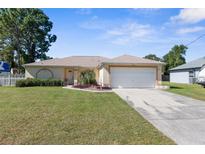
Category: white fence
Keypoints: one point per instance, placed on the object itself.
(10, 80)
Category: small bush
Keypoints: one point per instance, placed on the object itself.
(38, 82)
(87, 77)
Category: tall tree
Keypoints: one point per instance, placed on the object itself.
(175, 57)
(153, 57)
(10, 34)
(26, 33)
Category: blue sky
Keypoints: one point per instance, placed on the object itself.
(113, 32)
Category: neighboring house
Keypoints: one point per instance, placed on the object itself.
(121, 72)
(189, 72)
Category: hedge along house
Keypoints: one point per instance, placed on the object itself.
(121, 72)
(189, 72)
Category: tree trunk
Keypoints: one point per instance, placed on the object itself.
(31, 54)
(18, 61)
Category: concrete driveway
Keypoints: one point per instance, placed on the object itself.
(178, 117)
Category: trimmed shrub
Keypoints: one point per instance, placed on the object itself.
(38, 82)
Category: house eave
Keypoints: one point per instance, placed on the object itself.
(59, 66)
(184, 69)
(127, 63)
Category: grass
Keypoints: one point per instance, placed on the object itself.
(190, 90)
(53, 115)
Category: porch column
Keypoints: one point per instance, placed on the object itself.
(75, 71)
(159, 75)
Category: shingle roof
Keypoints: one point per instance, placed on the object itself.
(198, 63)
(128, 59)
(92, 61)
(82, 61)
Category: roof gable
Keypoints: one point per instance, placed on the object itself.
(128, 59)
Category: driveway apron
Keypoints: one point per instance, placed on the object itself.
(178, 117)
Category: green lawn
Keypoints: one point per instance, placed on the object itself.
(53, 115)
(194, 91)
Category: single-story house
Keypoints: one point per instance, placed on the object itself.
(121, 72)
(187, 73)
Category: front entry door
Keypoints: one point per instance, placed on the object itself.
(70, 77)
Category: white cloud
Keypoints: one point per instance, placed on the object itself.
(190, 30)
(84, 11)
(121, 41)
(121, 33)
(189, 16)
(146, 9)
(94, 23)
(129, 32)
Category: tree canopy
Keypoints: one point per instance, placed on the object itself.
(24, 35)
(153, 57)
(175, 57)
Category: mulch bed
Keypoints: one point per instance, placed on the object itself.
(91, 87)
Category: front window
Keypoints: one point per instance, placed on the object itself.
(191, 74)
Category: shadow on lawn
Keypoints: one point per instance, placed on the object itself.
(176, 87)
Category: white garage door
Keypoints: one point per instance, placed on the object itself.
(128, 77)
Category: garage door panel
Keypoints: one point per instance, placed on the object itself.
(124, 77)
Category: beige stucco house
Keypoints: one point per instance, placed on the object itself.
(121, 72)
